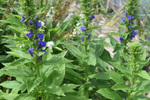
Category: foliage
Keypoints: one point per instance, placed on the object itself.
(52, 58)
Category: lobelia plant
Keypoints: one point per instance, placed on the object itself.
(128, 76)
(46, 67)
(131, 14)
(130, 80)
(36, 73)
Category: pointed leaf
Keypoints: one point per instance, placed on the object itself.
(32, 83)
(110, 94)
(144, 74)
(120, 86)
(11, 84)
(72, 97)
(54, 90)
(115, 76)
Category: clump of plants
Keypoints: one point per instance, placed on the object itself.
(47, 66)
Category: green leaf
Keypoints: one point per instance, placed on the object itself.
(72, 66)
(99, 50)
(120, 86)
(100, 75)
(101, 64)
(27, 96)
(56, 76)
(106, 56)
(19, 29)
(13, 20)
(72, 97)
(1, 30)
(69, 42)
(21, 54)
(115, 76)
(75, 51)
(10, 96)
(33, 82)
(16, 72)
(52, 89)
(113, 41)
(71, 76)
(144, 74)
(92, 60)
(72, 72)
(11, 84)
(64, 26)
(100, 42)
(118, 47)
(142, 87)
(20, 61)
(61, 39)
(2, 57)
(56, 60)
(69, 87)
(120, 68)
(110, 94)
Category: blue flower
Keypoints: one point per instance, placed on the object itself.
(41, 44)
(30, 51)
(123, 19)
(29, 34)
(121, 38)
(43, 51)
(89, 35)
(83, 21)
(21, 14)
(92, 17)
(22, 19)
(30, 21)
(126, 13)
(82, 28)
(38, 24)
(42, 55)
(133, 34)
(82, 38)
(130, 26)
(40, 36)
(130, 17)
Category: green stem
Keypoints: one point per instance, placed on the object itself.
(132, 80)
(41, 3)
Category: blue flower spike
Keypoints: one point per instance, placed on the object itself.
(22, 19)
(130, 17)
(92, 17)
(89, 35)
(123, 19)
(82, 28)
(133, 34)
(82, 38)
(30, 21)
(121, 38)
(30, 51)
(38, 24)
(130, 26)
(41, 44)
(43, 51)
(40, 58)
(21, 14)
(40, 36)
(29, 34)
